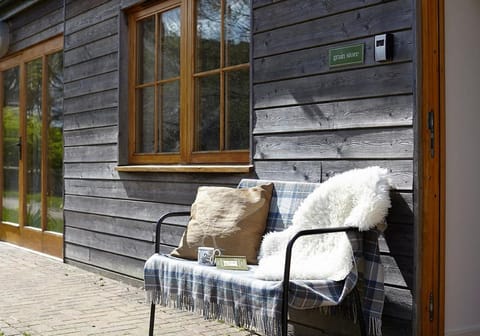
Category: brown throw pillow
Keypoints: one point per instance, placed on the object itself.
(229, 219)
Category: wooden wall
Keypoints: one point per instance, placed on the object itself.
(110, 216)
(36, 24)
(309, 122)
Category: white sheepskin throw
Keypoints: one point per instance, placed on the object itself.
(357, 198)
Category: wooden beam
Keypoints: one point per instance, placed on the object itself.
(431, 131)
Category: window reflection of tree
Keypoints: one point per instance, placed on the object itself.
(55, 124)
(11, 128)
(169, 69)
(236, 46)
(217, 51)
(34, 126)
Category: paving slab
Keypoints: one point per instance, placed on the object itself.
(42, 296)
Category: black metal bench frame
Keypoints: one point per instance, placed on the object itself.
(286, 275)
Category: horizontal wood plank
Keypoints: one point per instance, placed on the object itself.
(398, 271)
(95, 49)
(42, 36)
(92, 102)
(372, 112)
(390, 16)
(398, 303)
(259, 3)
(91, 170)
(284, 13)
(33, 13)
(382, 80)
(399, 171)
(90, 119)
(128, 209)
(91, 67)
(317, 171)
(99, 83)
(75, 252)
(92, 33)
(134, 229)
(75, 8)
(316, 60)
(95, 136)
(179, 193)
(91, 17)
(37, 25)
(115, 263)
(105, 242)
(353, 144)
(100, 153)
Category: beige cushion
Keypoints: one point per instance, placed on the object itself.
(229, 219)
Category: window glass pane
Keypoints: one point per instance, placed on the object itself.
(207, 113)
(146, 50)
(55, 143)
(169, 53)
(237, 32)
(145, 120)
(34, 142)
(237, 110)
(10, 150)
(170, 117)
(208, 35)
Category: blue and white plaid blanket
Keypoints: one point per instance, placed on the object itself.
(240, 298)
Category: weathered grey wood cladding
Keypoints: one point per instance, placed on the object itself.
(345, 26)
(379, 143)
(291, 12)
(91, 119)
(36, 24)
(315, 171)
(371, 112)
(91, 67)
(309, 122)
(381, 80)
(313, 61)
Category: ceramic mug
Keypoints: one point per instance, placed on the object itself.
(206, 255)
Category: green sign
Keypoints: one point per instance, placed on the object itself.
(348, 55)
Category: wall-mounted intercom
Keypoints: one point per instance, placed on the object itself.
(383, 47)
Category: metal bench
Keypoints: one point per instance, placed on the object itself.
(239, 298)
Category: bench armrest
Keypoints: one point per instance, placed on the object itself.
(160, 222)
(288, 259)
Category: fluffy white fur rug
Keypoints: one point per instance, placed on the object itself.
(358, 198)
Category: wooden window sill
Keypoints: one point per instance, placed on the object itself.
(184, 168)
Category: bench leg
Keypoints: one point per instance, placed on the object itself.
(360, 317)
(284, 326)
(152, 319)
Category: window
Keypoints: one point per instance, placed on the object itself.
(189, 82)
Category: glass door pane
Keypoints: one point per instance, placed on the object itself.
(10, 145)
(34, 143)
(55, 143)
